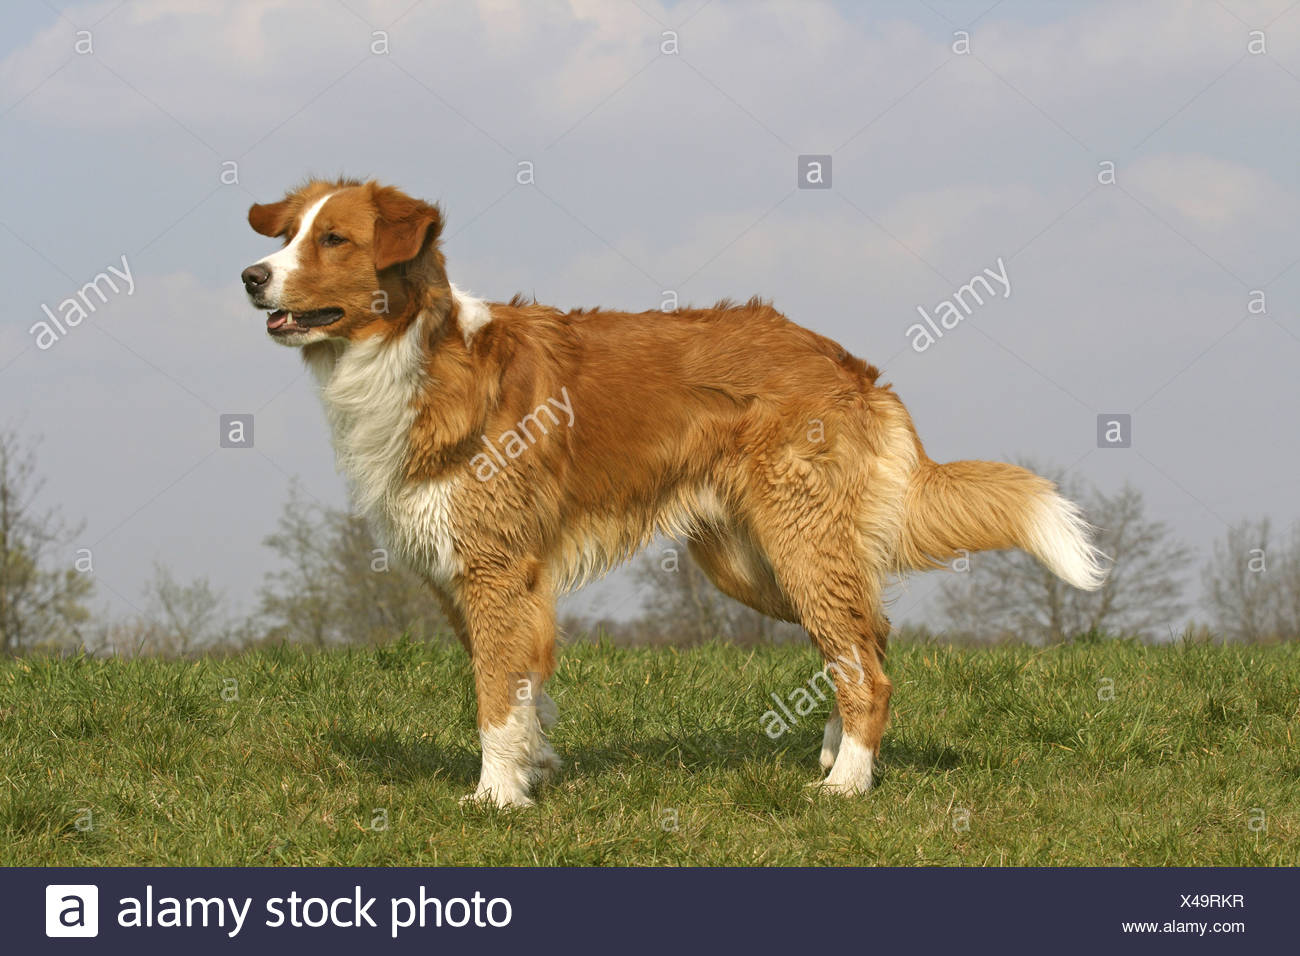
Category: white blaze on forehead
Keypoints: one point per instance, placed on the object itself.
(283, 263)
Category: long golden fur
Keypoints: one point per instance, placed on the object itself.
(538, 448)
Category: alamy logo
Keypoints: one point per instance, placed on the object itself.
(950, 312)
(71, 909)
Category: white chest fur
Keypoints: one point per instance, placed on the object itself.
(369, 389)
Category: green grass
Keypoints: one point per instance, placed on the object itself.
(665, 760)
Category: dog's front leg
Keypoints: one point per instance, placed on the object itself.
(509, 617)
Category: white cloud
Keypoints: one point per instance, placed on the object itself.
(1211, 192)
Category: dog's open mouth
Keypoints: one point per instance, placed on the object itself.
(282, 321)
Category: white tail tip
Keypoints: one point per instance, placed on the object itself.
(1059, 537)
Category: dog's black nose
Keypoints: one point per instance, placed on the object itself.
(255, 276)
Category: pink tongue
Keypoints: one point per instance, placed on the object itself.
(276, 319)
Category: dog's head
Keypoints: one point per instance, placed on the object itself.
(358, 260)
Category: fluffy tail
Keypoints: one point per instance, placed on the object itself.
(988, 505)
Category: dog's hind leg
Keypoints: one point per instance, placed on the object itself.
(851, 633)
(732, 560)
(833, 733)
(734, 564)
(812, 539)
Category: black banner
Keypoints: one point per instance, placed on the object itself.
(221, 910)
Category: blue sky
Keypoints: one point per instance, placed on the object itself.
(658, 171)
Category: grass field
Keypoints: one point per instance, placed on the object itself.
(1009, 755)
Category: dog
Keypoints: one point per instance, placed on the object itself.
(510, 451)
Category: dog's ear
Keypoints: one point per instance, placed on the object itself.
(402, 226)
(270, 219)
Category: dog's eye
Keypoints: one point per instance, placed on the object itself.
(332, 239)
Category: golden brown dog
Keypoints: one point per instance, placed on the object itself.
(510, 451)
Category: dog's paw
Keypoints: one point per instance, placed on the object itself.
(827, 759)
(853, 771)
(831, 738)
(495, 797)
(854, 789)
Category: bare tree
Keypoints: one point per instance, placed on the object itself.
(340, 585)
(1005, 594)
(1286, 568)
(42, 594)
(683, 607)
(1252, 584)
(175, 620)
(189, 617)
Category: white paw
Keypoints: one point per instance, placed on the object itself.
(853, 769)
(516, 756)
(851, 789)
(831, 737)
(827, 759)
(504, 798)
